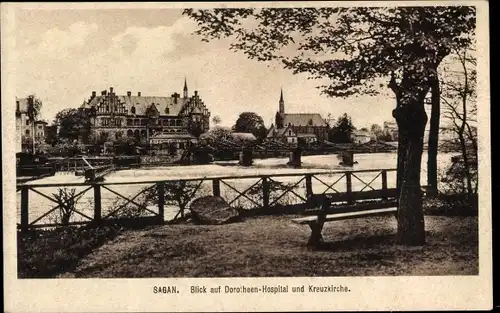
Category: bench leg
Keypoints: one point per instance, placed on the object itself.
(316, 237)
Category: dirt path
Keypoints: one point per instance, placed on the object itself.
(273, 246)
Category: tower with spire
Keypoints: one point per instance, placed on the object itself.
(281, 103)
(185, 88)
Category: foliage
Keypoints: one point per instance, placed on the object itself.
(342, 130)
(47, 253)
(376, 130)
(459, 96)
(360, 43)
(179, 193)
(455, 179)
(67, 203)
(34, 107)
(216, 120)
(250, 122)
(218, 133)
(74, 124)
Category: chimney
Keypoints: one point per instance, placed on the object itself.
(110, 90)
(129, 93)
(196, 92)
(17, 105)
(139, 94)
(103, 93)
(93, 94)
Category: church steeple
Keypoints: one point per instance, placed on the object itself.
(185, 88)
(281, 103)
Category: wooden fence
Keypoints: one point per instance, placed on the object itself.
(149, 199)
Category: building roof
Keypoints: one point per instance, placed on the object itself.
(183, 135)
(141, 104)
(303, 119)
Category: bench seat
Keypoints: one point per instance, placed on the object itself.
(345, 216)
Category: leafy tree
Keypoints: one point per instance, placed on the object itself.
(250, 122)
(355, 48)
(459, 96)
(74, 124)
(216, 120)
(217, 133)
(376, 130)
(34, 106)
(342, 130)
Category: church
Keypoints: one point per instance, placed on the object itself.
(150, 119)
(294, 128)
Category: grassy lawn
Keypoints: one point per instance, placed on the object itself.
(273, 246)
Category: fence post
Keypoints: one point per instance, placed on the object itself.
(161, 199)
(265, 192)
(97, 203)
(216, 187)
(348, 179)
(309, 190)
(24, 208)
(384, 184)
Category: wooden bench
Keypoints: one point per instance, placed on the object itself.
(383, 202)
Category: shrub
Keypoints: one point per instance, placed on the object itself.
(48, 253)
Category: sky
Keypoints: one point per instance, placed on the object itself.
(64, 55)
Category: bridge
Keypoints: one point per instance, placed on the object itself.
(246, 151)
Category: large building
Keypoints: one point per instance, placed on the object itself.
(23, 127)
(296, 127)
(174, 119)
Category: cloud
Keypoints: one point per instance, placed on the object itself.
(58, 43)
(138, 42)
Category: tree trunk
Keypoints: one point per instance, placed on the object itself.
(411, 119)
(432, 149)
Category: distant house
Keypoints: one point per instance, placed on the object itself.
(180, 140)
(360, 136)
(285, 134)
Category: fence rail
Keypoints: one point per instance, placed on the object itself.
(149, 199)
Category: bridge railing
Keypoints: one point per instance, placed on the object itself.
(50, 205)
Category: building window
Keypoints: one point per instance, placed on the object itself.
(181, 145)
(129, 122)
(27, 131)
(136, 122)
(179, 123)
(132, 110)
(130, 133)
(290, 133)
(167, 110)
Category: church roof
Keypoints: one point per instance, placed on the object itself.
(303, 119)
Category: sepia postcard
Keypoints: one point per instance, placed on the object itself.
(246, 156)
